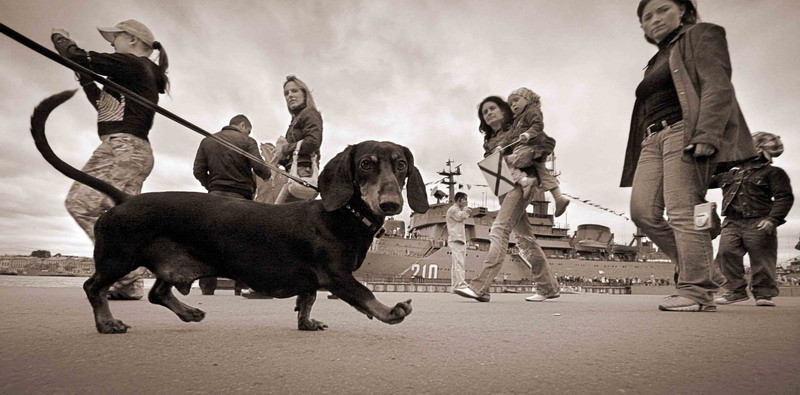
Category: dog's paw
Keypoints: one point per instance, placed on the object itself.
(112, 326)
(311, 325)
(399, 312)
(192, 315)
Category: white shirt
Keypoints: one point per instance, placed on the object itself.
(455, 223)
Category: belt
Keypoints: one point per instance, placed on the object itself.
(658, 126)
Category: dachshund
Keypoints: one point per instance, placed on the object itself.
(283, 250)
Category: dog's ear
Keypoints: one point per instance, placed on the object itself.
(415, 187)
(336, 180)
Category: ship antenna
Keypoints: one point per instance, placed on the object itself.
(449, 179)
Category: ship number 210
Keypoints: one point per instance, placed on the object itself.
(428, 271)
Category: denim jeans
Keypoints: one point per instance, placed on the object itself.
(664, 181)
(512, 216)
(547, 181)
(740, 237)
(457, 272)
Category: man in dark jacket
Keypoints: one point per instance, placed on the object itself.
(756, 199)
(225, 172)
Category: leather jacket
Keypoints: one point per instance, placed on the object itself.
(306, 125)
(701, 72)
(220, 169)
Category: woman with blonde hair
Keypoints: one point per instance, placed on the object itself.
(304, 136)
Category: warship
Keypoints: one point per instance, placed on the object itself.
(420, 253)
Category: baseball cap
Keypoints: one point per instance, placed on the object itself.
(132, 27)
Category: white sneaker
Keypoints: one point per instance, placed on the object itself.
(466, 292)
(537, 297)
(766, 302)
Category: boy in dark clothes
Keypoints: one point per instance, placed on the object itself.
(756, 199)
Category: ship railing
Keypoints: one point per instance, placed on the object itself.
(402, 279)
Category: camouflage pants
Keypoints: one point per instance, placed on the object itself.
(124, 161)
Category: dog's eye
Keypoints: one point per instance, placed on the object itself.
(365, 164)
(401, 165)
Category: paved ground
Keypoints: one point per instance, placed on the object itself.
(576, 344)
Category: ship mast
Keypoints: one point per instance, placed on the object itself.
(637, 238)
(449, 179)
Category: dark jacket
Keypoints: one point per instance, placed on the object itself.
(306, 125)
(701, 71)
(220, 169)
(115, 112)
(755, 190)
(499, 139)
(539, 145)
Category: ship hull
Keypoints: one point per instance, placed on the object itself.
(395, 258)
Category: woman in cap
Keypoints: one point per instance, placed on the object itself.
(686, 122)
(124, 157)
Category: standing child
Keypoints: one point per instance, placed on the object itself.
(528, 158)
(124, 158)
(756, 197)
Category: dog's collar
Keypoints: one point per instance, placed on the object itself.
(370, 224)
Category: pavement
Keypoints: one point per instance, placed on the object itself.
(579, 343)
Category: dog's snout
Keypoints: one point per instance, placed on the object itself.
(390, 207)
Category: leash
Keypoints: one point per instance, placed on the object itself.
(512, 144)
(36, 47)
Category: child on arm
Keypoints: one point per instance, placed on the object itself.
(527, 161)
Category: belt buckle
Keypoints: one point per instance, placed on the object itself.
(663, 125)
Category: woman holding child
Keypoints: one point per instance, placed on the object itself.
(496, 121)
(686, 122)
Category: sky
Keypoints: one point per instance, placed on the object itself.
(411, 72)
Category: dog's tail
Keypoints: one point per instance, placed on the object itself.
(38, 119)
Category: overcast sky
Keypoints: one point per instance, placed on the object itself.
(411, 72)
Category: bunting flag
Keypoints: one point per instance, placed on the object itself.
(498, 177)
(497, 174)
(593, 204)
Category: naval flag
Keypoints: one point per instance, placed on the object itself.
(497, 174)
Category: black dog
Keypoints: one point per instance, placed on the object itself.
(281, 250)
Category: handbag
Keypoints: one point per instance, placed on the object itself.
(294, 188)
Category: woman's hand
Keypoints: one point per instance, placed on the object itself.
(700, 149)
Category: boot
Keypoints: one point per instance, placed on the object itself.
(561, 205)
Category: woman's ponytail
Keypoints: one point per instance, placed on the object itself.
(163, 64)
